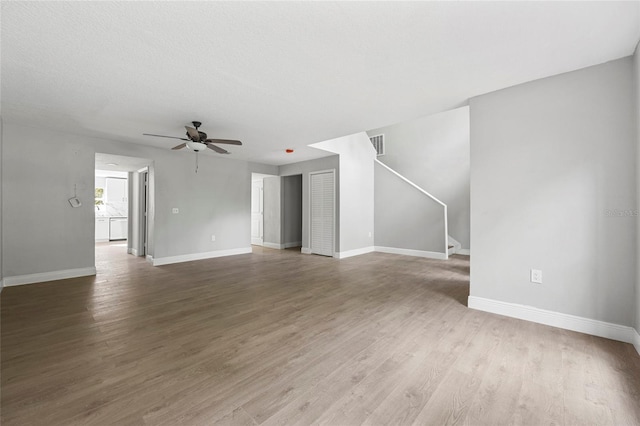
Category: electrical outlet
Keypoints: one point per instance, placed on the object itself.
(536, 276)
(213, 238)
(175, 210)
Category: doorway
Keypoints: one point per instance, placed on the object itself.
(123, 203)
(276, 211)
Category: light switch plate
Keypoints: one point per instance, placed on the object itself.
(536, 276)
(175, 210)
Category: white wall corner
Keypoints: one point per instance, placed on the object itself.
(158, 261)
(410, 252)
(355, 252)
(305, 250)
(557, 319)
(636, 340)
(149, 258)
(48, 276)
(133, 252)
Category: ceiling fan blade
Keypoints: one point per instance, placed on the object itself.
(182, 145)
(193, 133)
(163, 136)
(217, 149)
(227, 141)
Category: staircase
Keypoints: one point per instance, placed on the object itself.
(416, 223)
(453, 245)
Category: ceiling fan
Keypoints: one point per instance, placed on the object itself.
(197, 140)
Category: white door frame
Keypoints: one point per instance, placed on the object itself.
(143, 203)
(333, 228)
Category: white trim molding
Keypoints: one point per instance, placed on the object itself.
(555, 319)
(464, 252)
(48, 276)
(305, 250)
(149, 258)
(158, 261)
(410, 252)
(355, 252)
(283, 246)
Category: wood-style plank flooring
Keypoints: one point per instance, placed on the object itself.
(276, 337)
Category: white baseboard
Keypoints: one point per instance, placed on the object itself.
(410, 252)
(273, 245)
(256, 241)
(555, 319)
(636, 340)
(134, 252)
(158, 261)
(48, 276)
(282, 246)
(355, 252)
(305, 250)
(464, 252)
(149, 258)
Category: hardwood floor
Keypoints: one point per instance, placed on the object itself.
(276, 337)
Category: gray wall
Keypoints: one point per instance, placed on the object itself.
(405, 217)
(37, 185)
(636, 76)
(304, 168)
(433, 152)
(41, 231)
(551, 162)
(272, 210)
(1, 208)
(292, 209)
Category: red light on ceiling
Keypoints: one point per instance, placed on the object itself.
(288, 150)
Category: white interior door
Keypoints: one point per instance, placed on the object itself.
(257, 212)
(322, 212)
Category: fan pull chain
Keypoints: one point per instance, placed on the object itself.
(196, 161)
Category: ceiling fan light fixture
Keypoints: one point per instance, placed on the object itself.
(196, 146)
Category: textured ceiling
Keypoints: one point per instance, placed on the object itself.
(281, 75)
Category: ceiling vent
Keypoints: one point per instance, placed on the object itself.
(378, 144)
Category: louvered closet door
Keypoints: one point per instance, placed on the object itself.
(322, 201)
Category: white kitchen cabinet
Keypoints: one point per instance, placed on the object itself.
(102, 229)
(117, 190)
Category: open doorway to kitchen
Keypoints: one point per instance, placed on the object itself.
(123, 201)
